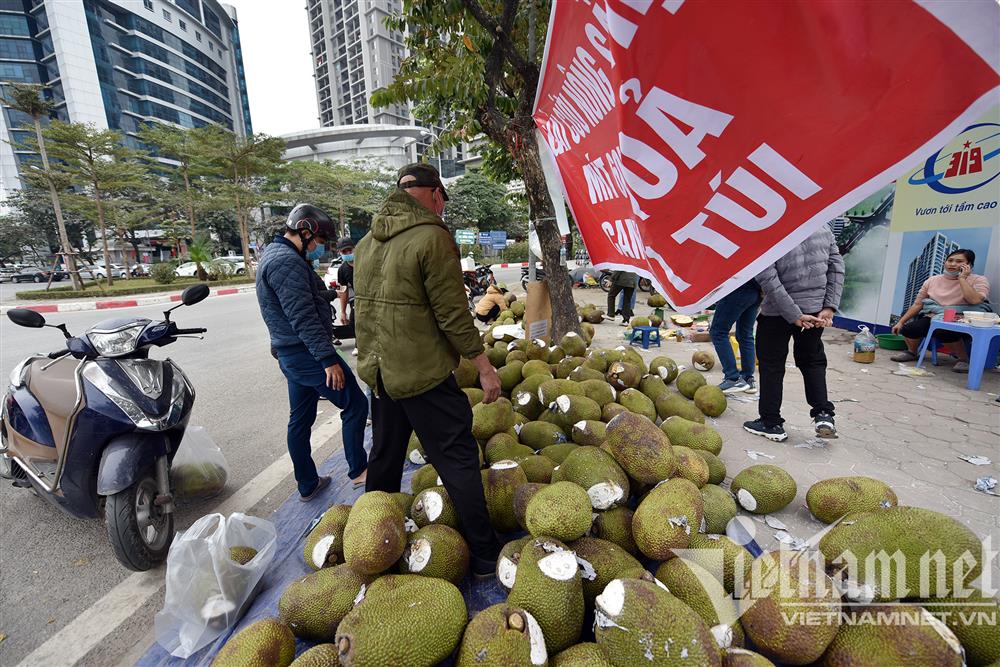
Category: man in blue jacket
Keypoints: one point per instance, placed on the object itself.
(300, 322)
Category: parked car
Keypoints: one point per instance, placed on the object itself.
(7, 273)
(239, 266)
(186, 270)
(34, 274)
(117, 271)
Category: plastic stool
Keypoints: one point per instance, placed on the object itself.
(645, 336)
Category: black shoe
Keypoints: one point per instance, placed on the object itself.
(337, 341)
(825, 427)
(321, 484)
(483, 568)
(757, 427)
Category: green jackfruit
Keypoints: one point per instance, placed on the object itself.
(675, 405)
(556, 354)
(569, 410)
(510, 556)
(741, 657)
(415, 453)
(537, 468)
(428, 616)
(532, 383)
(709, 550)
(374, 537)
(560, 510)
(639, 321)
(403, 500)
(716, 468)
(325, 542)
(763, 489)
(424, 478)
(610, 411)
(596, 361)
(690, 466)
(701, 590)
(536, 366)
(548, 586)
(504, 447)
(720, 508)
(622, 375)
(510, 375)
(497, 354)
(433, 505)
(640, 448)
(831, 499)
(973, 620)
(266, 643)
(665, 367)
(919, 640)
(242, 555)
(488, 419)
(656, 300)
(587, 654)
(502, 635)
(589, 432)
(688, 382)
(687, 433)
(653, 386)
(518, 344)
(582, 374)
(322, 655)
(198, 480)
(538, 435)
(607, 561)
(552, 389)
(537, 349)
(667, 517)
(499, 482)
(587, 331)
(598, 391)
(526, 403)
(574, 344)
(467, 375)
(703, 361)
(438, 551)
(522, 496)
(515, 355)
(615, 525)
(557, 453)
(710, 400)
(567, 365)
(314, 605)
(915, 533)
(638, 623)
(517, 308)
(635, 401)
(597, 473)
(631, 356)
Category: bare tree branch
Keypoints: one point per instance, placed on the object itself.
(501, 33)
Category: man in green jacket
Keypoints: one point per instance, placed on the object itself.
(413, 324)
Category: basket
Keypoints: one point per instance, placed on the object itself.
(891, 341)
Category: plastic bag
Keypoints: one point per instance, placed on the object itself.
(208, 591)
(199, 468)
(864, 346)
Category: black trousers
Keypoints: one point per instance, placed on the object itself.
(442, 419)
(773, 334)
(492, 315)
(918, 327)
(612, 301)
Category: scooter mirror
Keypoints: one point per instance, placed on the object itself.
(194, 294)
(26, 318)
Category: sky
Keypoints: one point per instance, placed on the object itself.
(278, 64)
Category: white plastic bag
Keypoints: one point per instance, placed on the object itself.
(207, 591)
(199, 469)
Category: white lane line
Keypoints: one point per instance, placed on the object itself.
(87, 630)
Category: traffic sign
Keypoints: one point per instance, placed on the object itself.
(465, 236)
(485, 238)
(499, 237)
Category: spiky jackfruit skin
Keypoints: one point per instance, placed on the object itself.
(675, 405)
(610, 411)
(532, 383)
(640, 448)
(325, 542)
(872, 644)
(622, 375)
(635, 401)
(497, 354)
(710, 400)
(374, 537)
(522, 496)
(203, 479)
(667, 517)
(639, 321)
(639, 623)
(436, 551)
(587, 654)
(589, 432)
(631, 356)
(403, 500)
(703, 361)
(537, 468)
(598, 391)
(499, 483)
(653, 386)
(499, 636)
(596, 472)
(701, 590)
(557, 453)
(573, 344)
(665, 367)
(504, 447)
(424, 478)
(534, 367)
(427, 616)
(434, 506)
(537, 349)
(242, 555)
(609, 561)
(488, 419)
(688, 381)
(690, 466)
(830, 499)
(597, 361)
(973, 619)
(510, 375)
(567, 365)
(510, 556)
(415, 453)
(550, 390)
(556, 354)
(763, 488)
(516, 355)
(526, 403)
(560, 510)
(569, 410)
(539, 435)
(781, 584)
(615, 525)
(716, 467)
(466, 375)
(706, 550)
(474, 394)
(323, 655)
(914, 532)
(314, 605)
(266, 643)
(548, 586)
(583, 373)
(720, 508)
(741, 657)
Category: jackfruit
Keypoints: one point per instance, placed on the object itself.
(920, 639)
(556, 354)
(741, 657)
(517, 309)
(589, 432)
(537, 349)
(504, 447)
(522, 496)
(510, 375)
(597, 361)
(596, 472)
(515, 355)
(831, 499)
(566, 366)
(499, 482)
(403, 500)
(690, 466)
(519, 344)
(598, 391)
(675, 405)
(488, 419)
(510, 556)
(325, 542)
(973, 619)
(587, 654)
(915, 533)
(653, 386)
(568, 410)
(639, 321)
(635, 401)
(622, 375)
(606, 561)
(582, 374)
(502, 635)
(474, 394)
(314, 605)
(667, 517)
(611, 410)
(703, 361)
(558, 453)
(374, 537)
(688, 382)
(266, 643)
(438, 551)
(638, 623)
(466, 375)
(687, 433)
(594, 316)
(701, 590)
(427, 616)
(574, 344)
(656, 300)
(537, 468)
(716, 468)
(415, 451)
(763, 489)
(322, 655)
(710, 400)
(532, 383)
(665, 367)
(552, 389)
(709, 550)
(539, 435)
(587, 331)
(615, 525)
(560, 510)
(433, 505)
(497, 354)
(198, 480)
(424, 478)
(526, 403)
(631, 356)
(640, 448)
(548, 586)
(720, 508)
(534, 367)
(242, 555)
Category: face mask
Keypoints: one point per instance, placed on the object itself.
(952, 274)
(315, 253)
(348, 258)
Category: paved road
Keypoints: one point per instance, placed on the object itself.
(9, 289)
(53, 567)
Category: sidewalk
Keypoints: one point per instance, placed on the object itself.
(77, 305)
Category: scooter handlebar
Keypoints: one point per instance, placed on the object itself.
(183, 332)
(56, 355)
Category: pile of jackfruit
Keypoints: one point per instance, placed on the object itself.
(605, 465)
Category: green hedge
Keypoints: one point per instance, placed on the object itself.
(124, 288)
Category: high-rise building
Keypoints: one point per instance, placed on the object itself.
(120, 64)
(930, 262)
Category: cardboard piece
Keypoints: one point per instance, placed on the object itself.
(538, 312)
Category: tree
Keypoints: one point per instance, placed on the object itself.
(345, 188)
(476, 201)
(29, 99)
(32, 213)
(479, 67)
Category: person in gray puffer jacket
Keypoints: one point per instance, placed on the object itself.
(802, 292)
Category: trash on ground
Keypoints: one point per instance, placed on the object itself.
(986, 485)
(755, 455)
(912, 372)
(812, 443)
(777, 524)
(976, 460)
(796, 543)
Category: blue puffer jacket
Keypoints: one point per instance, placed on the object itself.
(288, 291)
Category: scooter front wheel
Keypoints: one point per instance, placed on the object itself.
(140, 532)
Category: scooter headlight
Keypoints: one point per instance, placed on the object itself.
(116, 343)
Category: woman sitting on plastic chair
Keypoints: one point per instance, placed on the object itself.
(956, 288)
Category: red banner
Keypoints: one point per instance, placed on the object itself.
(697, 142)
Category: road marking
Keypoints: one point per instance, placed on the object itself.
(86, 631)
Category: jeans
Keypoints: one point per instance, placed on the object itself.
(306, 384)
(621, 300)
(739, 308)
(773, 334)
(628, 296)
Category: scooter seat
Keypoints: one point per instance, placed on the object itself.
(55, 390)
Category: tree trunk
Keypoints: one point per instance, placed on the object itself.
(199, 269)
(57, 208)
(241, 221)
(104, 236)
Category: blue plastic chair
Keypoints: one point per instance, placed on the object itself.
(645, 336)
(983, 349)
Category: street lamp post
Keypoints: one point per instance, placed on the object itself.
(433, 135)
